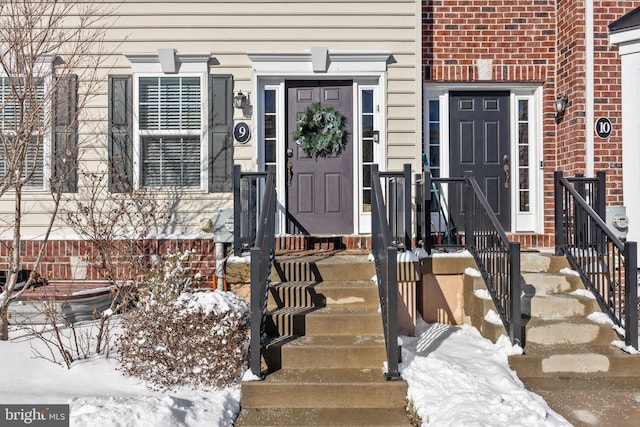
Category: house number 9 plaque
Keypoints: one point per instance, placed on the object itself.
(241, 132)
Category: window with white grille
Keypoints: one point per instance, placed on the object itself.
(170, 121)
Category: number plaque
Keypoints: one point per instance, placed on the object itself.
(241, 132)
(603, 127)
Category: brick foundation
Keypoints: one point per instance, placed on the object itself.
(78, 259)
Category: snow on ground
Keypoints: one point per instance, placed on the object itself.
(455, 378)
(99, 395)
(458, 378)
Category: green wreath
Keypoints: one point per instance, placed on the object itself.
(320, 131)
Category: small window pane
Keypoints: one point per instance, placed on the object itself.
(367, 150)
(170, 103)
(270, 151)
(523, 135)
(171, 162)
(524, 179)
(434, 111)
(270, 126)
(524, 201)
(434, 157)
(523, 110)
(270, 101)
(366, 200)
(434, 133)
(367, 126)
(524, 156)
(366, 175)
(367, 101)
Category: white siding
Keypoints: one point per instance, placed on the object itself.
(230, 29)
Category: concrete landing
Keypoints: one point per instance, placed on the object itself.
(587, 402)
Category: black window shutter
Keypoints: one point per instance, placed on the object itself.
(220, 130)
(120, 133)
(64, 176)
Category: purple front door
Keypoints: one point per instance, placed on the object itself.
(319, 191)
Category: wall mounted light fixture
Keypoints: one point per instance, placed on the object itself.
(560, 105)
(240, 100)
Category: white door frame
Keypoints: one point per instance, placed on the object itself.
(521, 222)
(272, 69)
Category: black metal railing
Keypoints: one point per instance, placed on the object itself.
(397, 188)
(248, 190)
(498, 260)
(453, 213)
(385, 255)
(436, 224)
(262, 254)
(607, 266)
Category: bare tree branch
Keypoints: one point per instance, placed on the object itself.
(42, 45)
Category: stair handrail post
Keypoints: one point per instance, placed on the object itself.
(515, 285)
(406, 169)
(631, 293)
(419, 210)
(237, 210)
(392, 314)
(375, 227)
(468, 207)
(255, 344)
(427, 211)
(559, 214)
(601, 194)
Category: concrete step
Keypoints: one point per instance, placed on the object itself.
(547, 306)
(327, 352)
(328, 293)
(553, 283)
(577, 330)
(542, 262)
(267, 417)
(591, 401)
(575, 361)
(324, 388)
(301, 321)
(322, 268)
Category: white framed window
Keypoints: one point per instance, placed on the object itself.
(170, 131)
(10, 113)
(369, 142)
(271, 126)
(526, 162)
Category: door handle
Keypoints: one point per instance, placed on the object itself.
(289, 173)
(507, 175)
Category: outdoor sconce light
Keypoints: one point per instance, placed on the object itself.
(240, 100)
(560, 105)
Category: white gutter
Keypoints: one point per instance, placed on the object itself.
(589, 90)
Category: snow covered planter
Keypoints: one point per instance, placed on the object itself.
(180, 337)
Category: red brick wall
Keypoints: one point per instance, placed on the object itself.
(57, 262)
(570, 77)
(518, 35)
(537, 41)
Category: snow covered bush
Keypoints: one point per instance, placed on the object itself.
(178, 336)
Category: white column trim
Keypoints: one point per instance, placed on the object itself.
(589, 91)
